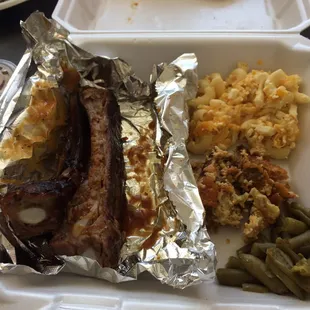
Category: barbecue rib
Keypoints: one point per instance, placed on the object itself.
(93, 224)
(37, 207)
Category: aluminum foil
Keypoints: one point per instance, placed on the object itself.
(172, 243)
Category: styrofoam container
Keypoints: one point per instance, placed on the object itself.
(141, 16)
(265, 34)
(9, 3)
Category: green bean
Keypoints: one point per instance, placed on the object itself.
(299, 241)
(303, 282)
(285, 235)
(297, 206)
(234, 277)
(265, 235)
(259, 249)
(258, 269)
(293, 226)
(302, 267)
(288, 282)
(275, 233)
(304, 250)
(246, 249)
(255, 288)
(234, 263)
(280, 257)
(301, 216)
(280, 220)
(283, 245)
(283, 263)
(300, 212)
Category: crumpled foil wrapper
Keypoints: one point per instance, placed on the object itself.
(172, 243)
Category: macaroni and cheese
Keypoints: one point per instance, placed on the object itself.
(257, 107)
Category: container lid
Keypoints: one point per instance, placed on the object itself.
(140, 16)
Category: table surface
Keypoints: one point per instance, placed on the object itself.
(12, 45)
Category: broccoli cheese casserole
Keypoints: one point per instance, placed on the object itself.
(257, 107)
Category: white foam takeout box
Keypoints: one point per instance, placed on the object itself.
(263, 33)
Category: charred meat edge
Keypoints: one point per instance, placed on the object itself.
(52, 196)
(93, 223)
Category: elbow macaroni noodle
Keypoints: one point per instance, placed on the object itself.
(258, 107)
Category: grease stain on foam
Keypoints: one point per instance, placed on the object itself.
(134, 6)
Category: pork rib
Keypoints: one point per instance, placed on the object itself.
(38, 207)
(93, 224)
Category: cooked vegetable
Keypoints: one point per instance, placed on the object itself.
(284, 246)
(280, 257)
(285, 235)
(259, 270)
(297, 206)
(299, 241)
(293, 226)
(300, 212)
(273, 261)
(285, 265)
(265, 235)
(305, 251)
(259, 249)
(234, 263)
(275, 233)
(246, 249)
(303, 282)
(255, 288)
(302, 267)
(234, 277)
